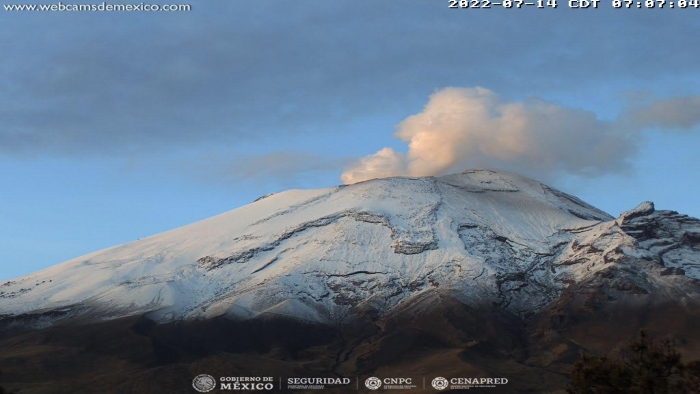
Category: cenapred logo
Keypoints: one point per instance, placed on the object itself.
(373, 383)
(204, 383)
(440, 383)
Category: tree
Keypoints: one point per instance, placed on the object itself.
(2, 390)
(644, 367)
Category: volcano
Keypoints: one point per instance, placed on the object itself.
(482, 274)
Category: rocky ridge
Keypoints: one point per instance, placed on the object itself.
(329, 255)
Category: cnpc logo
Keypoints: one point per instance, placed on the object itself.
(374, 383)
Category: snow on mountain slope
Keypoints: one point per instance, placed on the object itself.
(319, 255)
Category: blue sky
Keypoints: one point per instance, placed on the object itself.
(116, 126)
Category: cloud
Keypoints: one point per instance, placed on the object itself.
(275, 170)
(465, 128)
(276, 165)
(229, 72)
(672, 113)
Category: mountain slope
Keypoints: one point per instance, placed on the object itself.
(312, 253)
(480, 274)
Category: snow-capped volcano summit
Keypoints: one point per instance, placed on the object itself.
(322, 255)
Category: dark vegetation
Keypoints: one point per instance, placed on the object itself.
(646, 366)
(435, 335)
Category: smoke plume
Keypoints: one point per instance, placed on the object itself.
(465, 128)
